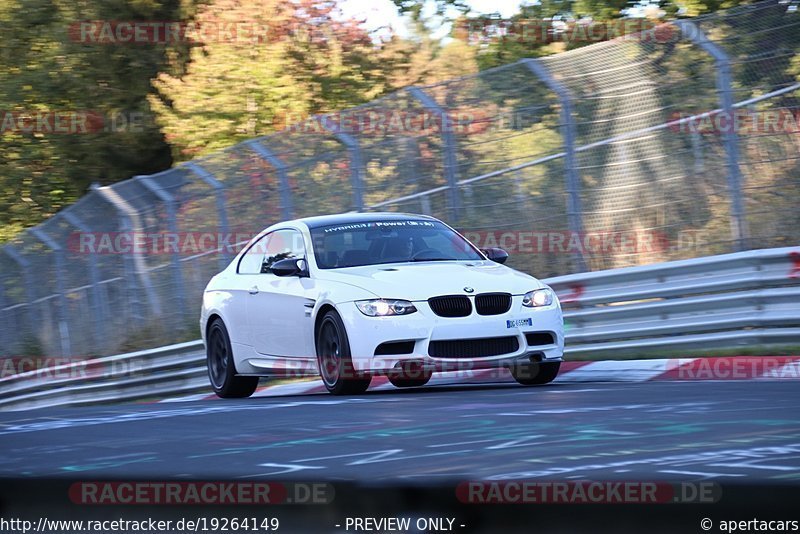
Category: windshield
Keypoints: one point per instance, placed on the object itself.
(377, 242)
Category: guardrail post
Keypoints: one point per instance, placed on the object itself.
(129, 221)
(222, 213)
(100, 305)
(449, 146)
(356, 162)
(58, 253)
(30, 292)
(287, 210)
(730, 138)
(572, 177)
(172, 225)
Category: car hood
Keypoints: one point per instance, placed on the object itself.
(420, 281)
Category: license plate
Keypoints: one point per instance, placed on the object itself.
(519, 322)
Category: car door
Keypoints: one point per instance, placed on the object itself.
(247, 271)
(279, 307)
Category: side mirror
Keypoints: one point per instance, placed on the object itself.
(496, 254)
(290, 267)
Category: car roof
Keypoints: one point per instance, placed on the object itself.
(347, 218)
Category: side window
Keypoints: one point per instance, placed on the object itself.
(282, 244)
(252, 259)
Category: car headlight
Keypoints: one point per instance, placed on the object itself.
(383, 307)
(537, 298)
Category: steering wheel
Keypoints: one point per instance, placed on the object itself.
(423, 251)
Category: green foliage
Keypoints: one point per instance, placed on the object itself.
(46, 69)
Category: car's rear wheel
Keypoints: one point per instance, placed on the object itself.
(335, 362)
(531, 374)
(221, 369)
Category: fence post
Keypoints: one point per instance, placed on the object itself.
(449, 146)
(222, 213)
(730, 138)
(58, 253)
(356, 163)
(172, 226)
(572, 176)
(5, 341)
(30, 292)
(129, 221)
(287, 210)
(100, 306)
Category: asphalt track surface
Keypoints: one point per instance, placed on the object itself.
(735, 431)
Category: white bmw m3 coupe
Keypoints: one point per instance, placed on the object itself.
(352, 296)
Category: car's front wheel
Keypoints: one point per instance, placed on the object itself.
(221, 369)
(531, 374)
(409, 377)
(335, 362)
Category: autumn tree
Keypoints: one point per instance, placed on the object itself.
(304, 61)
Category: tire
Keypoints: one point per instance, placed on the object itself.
(535, 373)
(221, 369)
(409, 378)
(335, 362)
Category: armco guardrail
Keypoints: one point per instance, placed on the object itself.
(124, 377)
(733, 300)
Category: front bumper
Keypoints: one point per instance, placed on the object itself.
(367, 333)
